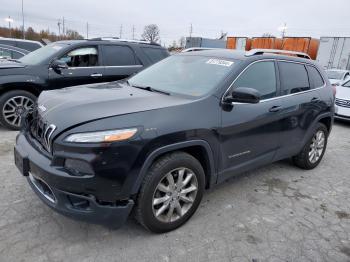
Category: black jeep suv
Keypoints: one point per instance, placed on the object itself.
(69, 63)
(154, 142)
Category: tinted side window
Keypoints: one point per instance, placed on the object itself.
(315, 77)
(294, 78)
(16, 55)
(260, 76)
(5, 53)
(81, 57)
(154, 54)
(118, 56)
(28, 45)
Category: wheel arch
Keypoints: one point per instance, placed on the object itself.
(29, 87)
(199, 149)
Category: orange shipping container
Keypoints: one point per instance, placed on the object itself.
(266, 43)
(302, 44)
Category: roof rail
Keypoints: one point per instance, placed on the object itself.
(193, 49)
(277, 51)
(123, 40)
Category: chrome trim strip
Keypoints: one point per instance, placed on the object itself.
(273, 98)
(85, 67)
(47, 136)
(33, 181)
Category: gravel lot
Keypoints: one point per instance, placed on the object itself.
(277, 213)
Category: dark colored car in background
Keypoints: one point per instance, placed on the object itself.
(28, 45)
(69, 63)
(11, 52)
(154, 142)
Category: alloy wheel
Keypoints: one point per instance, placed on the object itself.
(15, 108)
(174, 195)
(317, 146)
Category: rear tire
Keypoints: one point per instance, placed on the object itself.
(163, 204)
(13, 105)
(312, 153)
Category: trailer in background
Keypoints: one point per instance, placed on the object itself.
(238, 43)
(266, 43)
(334, 52)
(306, 45)
(205, 42)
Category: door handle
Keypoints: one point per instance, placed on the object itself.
(275, 109)
(96, 75)
(315, 99)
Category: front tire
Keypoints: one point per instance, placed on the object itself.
(13, 105)
(171, 192)
(312, 153)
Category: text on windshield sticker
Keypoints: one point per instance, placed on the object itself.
(220, 62)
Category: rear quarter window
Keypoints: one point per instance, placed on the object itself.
(154, 54)
(294, 78)
(315, 77)
(114, 55)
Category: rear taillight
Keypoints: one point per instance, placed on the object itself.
(334, 89)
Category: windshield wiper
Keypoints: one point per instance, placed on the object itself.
(151, 89)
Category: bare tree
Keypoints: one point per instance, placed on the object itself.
(151, 33)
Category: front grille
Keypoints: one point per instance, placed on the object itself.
(342, 102)
(39, 129)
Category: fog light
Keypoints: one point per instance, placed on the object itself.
(78, 167)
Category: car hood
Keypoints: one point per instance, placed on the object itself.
(71, 106)
(343, 92)
(334, 81)
(10, 64)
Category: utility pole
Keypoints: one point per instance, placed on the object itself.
(121, 31)
(63, 27)
(191, 31)
(59, 28)
(133, 32)
(9, 20)
(24, 35)
(87, 30)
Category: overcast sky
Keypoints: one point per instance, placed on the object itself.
(236, 17)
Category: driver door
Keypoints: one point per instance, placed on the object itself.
(84, 67)
(249, 133)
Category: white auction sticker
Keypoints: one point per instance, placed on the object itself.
(220, 62)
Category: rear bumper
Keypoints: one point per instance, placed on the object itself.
(44, 178)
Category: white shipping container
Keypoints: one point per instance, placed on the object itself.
(334, 52)
(241, 43)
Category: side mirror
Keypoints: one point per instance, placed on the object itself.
(59, 65)
(243, 95)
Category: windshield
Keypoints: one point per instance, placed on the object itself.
(187, 75)
(41, 54)
(334, 75)
(346, 84)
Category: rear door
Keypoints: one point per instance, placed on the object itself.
(84, 67)
(119, 61)
(249, 134)
(300, 101)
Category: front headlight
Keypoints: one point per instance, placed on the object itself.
(102, 136)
